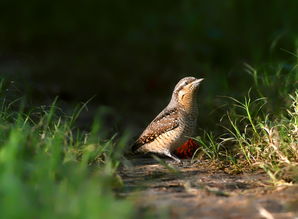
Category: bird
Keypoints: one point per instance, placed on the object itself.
(174, 124)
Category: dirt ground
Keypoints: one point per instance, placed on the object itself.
(199, 191)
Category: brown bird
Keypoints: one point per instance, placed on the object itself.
(173, 125)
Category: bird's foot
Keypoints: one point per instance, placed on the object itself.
(176, 159)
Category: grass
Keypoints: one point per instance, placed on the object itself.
(49, 169)
(258, 132)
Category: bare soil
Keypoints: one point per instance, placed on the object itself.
(201, 191)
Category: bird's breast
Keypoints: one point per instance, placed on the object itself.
(187, 125)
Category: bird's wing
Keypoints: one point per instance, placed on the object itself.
(167, 120)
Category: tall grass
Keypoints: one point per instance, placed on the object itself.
(48, 169)
(261, 132)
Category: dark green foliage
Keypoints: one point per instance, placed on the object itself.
(119, 48)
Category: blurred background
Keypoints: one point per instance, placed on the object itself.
(128, 55)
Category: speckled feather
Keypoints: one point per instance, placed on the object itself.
(166, 121)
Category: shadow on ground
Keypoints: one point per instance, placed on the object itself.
(197, 190)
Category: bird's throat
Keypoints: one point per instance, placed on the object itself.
(189, 103)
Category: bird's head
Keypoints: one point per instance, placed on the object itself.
(185, 91)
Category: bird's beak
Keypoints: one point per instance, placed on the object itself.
(197, 81)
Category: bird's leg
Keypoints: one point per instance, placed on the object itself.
(176, 159)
